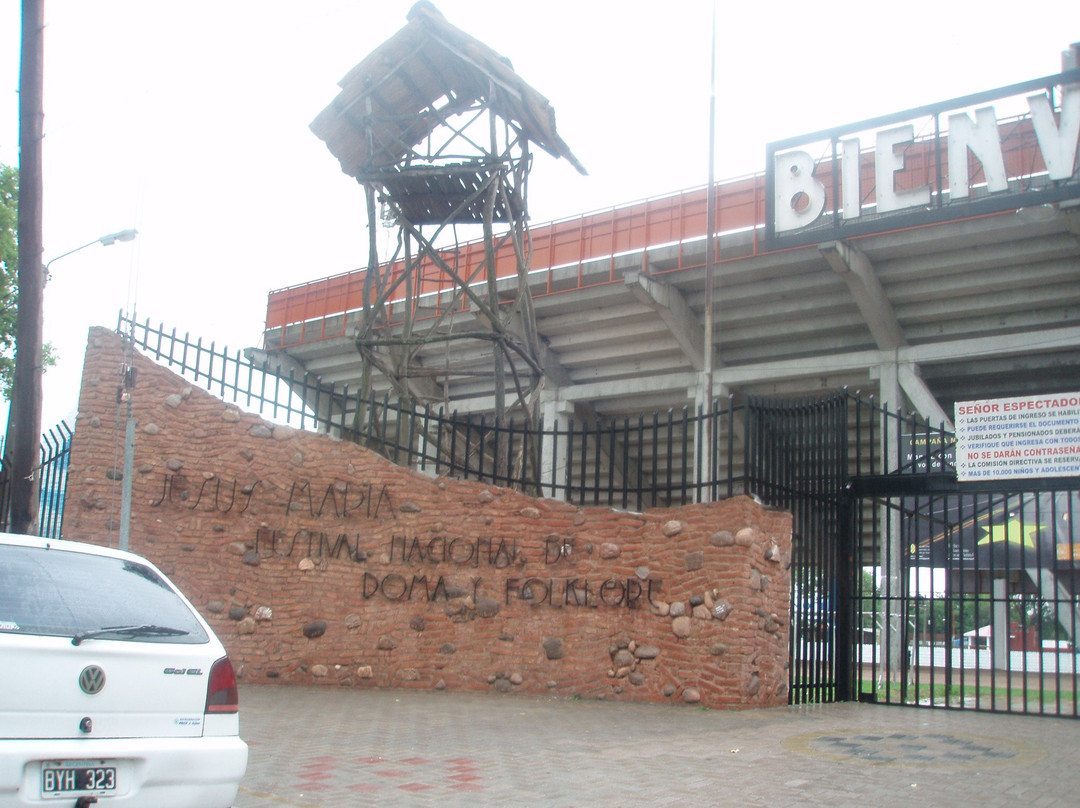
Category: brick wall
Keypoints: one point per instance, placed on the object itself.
(317, 561)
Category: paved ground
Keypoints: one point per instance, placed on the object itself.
(329, 748)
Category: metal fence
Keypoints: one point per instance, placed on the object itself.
(964, 595)
(55, 455)
(670, 458)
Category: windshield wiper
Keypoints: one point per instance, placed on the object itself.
(129, 631)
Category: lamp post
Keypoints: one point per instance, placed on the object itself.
(24, 414)
(104, 241)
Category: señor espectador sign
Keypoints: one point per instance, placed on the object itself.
(993, 151)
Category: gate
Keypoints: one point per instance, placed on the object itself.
(909, 587)
(797, 460)
(963, 595)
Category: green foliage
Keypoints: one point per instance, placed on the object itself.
(9, 272)
(9, 279)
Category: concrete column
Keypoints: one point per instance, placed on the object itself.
(554, 460)
(703, 438)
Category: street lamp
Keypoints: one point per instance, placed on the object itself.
(24, 414)
(104, 241)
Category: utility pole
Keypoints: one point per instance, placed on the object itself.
(26, 397)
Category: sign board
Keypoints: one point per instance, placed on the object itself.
(984, 153)
(1017, 438)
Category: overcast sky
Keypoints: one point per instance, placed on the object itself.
(188, 119)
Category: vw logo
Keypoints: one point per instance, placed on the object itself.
(92, 679)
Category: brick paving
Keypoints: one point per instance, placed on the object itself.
(329, 747)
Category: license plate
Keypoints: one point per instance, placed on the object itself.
(77, 777)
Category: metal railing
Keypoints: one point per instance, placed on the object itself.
(631, 463)
(55, 456)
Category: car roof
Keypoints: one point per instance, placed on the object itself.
(22, 540)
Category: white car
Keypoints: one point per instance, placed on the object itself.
(113, 689)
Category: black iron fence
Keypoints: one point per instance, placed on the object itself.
(670, 458)
(963, 595)
(55, 455)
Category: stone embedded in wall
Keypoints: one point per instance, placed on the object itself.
(174, 465)
(722, 538)
(251, 558)
(623, 658)
(718, 649)
(410, 507)
(353, 621)
(672, 527)
(320, 671)
(246, 626)
(530, 512)
(677, 609)
(261, 431)
(365, 672)
(264, 613)
(215, 607)
(237, 613)
(151, 429)
(386, 644)
(487, 607)
(681, 626)
(416, 623)
(772, 553)
(174, 400)
(306, 565)
(315, 629)
(695, 560)
(554, 648)
(609, 550)
(691, 695)
(721, 610)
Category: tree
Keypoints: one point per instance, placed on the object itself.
(9, 278)
(9, 273)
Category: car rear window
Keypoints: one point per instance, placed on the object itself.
(59, 593)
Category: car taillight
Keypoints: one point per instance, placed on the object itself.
(221, 694)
